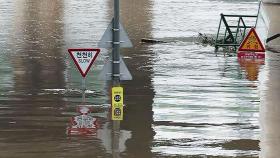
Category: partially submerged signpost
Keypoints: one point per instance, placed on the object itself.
(115, 37)
(115, 69)
(83, 124)
(83, 59)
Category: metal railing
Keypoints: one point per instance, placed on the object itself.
(233, 33)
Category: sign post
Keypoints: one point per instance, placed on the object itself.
(115, 37)
(84, 89)
(116, 73)
(83, 59)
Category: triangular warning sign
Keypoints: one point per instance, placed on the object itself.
(252, 42)
(106, 40)
(83, 58)
(106, 73)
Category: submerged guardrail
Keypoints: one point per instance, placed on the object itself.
(232, 30)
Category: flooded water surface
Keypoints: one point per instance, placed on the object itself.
(184, 100)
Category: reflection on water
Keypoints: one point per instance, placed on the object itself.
(136, 17)
(36, 62)
(251, 68)
(203, 105)
(183, 101)
(44, 86)
(36, 58)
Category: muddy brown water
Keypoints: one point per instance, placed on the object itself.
(183, 101)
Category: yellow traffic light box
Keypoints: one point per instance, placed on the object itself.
(117, 103)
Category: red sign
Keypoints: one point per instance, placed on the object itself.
(252, 42)
(83, 58)
(83, 125)
(251, 55)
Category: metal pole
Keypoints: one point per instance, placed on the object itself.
(116, 74)
(83, 90)
(237, 30)
(116, 44)
(116, 139)
(260, 2)
(217, 37)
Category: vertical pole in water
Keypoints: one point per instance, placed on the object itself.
(116, 45)
(84, 90)
(260, 2)
(217, 37)
(116, 74)
(83, 96)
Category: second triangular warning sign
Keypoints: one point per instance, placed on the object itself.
(252, 42)
(83, 58)
(106, 40)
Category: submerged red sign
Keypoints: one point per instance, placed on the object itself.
(251, 55)
(83, 58)
(83, 124)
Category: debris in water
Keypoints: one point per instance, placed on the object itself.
(147, 40)
(205, 39)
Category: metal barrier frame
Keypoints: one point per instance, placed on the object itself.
(230, 36)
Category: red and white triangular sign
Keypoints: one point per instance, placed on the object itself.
(83, 58)
(252, 42)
